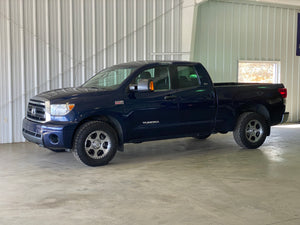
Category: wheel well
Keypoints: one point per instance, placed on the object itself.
(258, 108)
(114, 123)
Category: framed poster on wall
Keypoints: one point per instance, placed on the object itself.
(298, 36)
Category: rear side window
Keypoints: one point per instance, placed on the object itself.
(187, 77)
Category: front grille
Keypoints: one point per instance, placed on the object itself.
(36, 110)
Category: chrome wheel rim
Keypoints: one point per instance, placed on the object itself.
(97, 144)
(254, 131)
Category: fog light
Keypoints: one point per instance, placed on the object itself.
(53, 139)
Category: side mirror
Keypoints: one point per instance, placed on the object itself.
(143, 85)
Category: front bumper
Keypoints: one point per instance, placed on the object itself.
(49, 135)
(285, 117)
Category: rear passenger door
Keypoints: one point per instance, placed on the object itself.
(196, 98)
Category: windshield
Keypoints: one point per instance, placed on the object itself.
(110, 78)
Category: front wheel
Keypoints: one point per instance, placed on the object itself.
(95, 143)
(251, 130)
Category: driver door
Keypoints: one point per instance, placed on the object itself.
(152, 114)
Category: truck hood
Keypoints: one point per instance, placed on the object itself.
(69, 94)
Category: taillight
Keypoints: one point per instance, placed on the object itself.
(283, 92)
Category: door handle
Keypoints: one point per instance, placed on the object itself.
(170, 97)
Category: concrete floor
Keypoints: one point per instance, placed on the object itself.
(179, 181)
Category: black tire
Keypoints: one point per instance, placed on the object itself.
(95, 143)
(201, 137)
(251, 130)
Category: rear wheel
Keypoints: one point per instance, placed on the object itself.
(95, 143)
(251, 130)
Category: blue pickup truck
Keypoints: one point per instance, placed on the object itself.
(150, 100)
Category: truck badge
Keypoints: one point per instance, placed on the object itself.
(33, 111)
(150, 122)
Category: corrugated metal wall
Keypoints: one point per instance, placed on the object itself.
(230, 31)
(48, 44)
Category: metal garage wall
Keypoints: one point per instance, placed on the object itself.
(48, 44)
(228, 31)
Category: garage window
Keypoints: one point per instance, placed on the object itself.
(259, 71)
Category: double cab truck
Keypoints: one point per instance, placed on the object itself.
(150, 100)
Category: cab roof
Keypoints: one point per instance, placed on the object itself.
(155, 62)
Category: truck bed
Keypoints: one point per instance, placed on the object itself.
(246, 96)
(241, 84)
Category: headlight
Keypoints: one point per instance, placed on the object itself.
(61, 109)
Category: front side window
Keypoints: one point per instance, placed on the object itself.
(187, 77)
(110, 78)
(160, 76)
